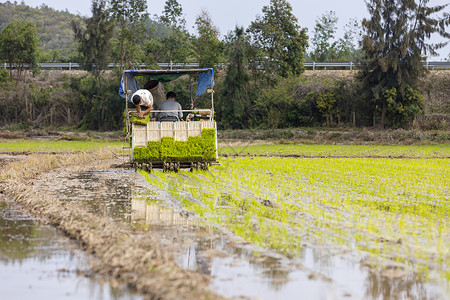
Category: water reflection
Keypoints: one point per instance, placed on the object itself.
(104, 193)
(396, 283)
(203, 248)
(38, 262)
(236, 269)
(270, 268)
(153, 213)
(17, 235)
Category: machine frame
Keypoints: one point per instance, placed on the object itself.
(139, 135)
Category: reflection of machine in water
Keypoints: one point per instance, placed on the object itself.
(152, 213)
(200, 248)
(193, 239)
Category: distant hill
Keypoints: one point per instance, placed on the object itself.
(53, 26)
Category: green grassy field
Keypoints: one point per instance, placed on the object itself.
(416, 151)
(392, 209)
(21, 145)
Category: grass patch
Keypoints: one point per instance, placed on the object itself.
(53, 145)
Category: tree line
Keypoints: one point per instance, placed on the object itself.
(262, 86)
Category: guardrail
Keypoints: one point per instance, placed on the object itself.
(170, 65)
(350, 65)
(324, 65)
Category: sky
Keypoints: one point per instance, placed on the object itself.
(226, 14)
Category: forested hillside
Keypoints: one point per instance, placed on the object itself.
(53, 27)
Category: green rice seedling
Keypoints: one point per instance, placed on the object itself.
(416, 151)
(140, 121)
(396, 209)
(196, 148)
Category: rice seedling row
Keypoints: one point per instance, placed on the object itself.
(416, 151)
(391, 209)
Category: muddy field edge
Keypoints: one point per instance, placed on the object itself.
(136, 261)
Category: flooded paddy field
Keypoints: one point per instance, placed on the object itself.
(234, 267)
(378, 227)
(276, 227)
(39, 262)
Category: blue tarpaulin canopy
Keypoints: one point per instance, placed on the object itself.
(128, 82)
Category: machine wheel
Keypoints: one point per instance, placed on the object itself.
(148, 167)
(199, 165)
(169, 167)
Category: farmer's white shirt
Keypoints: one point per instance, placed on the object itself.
(146, 97)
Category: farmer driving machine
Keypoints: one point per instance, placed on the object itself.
(171, 145)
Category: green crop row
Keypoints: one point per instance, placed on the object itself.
(392, 209)
(417, 151)
(196, 148)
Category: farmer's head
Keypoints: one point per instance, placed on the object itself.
(136, 99)
(171, 95)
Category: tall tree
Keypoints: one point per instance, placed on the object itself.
(324, 48)
(235, 103)
(207, 44)
(327, 47)
(129, 16)
(94, 39)
(94, 43)
(280, 38)
(173, 15)
(349, 45)
(176, 45)
(19, 45)
(396, 40)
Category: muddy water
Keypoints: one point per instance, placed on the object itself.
(236, 269)
(38, 262)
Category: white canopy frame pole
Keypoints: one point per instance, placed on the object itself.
(191, 104)
(126, 109)
(212, 97)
